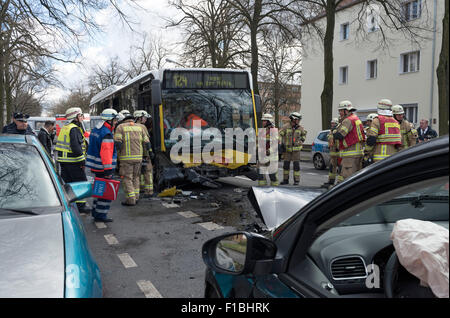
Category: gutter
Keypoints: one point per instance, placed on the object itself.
(433, 53)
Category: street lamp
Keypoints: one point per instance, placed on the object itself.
(175, 62)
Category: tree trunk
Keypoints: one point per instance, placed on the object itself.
(326, 97)
(442, 76)
(2, 90)
(254, 44)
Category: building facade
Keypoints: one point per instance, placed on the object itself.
(365, 70)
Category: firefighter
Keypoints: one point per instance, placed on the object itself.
(146, 178)
(292, 138)
(71, 147)
(102, 159)
(271, 145)
(384, 137)
(334, 155)
(369, 120)
(409, 133)
(132, 145)
(350, 138)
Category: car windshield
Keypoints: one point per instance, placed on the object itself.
(24, 179)
(426, 204)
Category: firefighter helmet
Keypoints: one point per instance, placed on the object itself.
(371, 116)
(141, 113)
(335, 120)
(125, 112)
(397, 110)
(108, 114)
(346, 105)
(385, 104)
(73, 112)
(295, 115)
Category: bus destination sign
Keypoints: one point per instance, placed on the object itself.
(205, 80)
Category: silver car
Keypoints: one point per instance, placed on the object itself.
(320, 152)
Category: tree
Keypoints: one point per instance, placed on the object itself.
(112, 74)
(442, 76)
(78, 97)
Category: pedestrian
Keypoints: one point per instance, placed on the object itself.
(146, 178)
(271, 142)
(350, 138)
(132, 145)
(71, 151)
(425, 132)
(102, 159)
(409, 134)
(19, 125)
(383, 138)
(334, 155)
(46, 135)
(292, 138)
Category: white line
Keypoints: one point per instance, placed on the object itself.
(210, 226)
(188, 214)
(170, 205)
(111, 239)
(148, 289)
(100, 225)
(126, 260)
(243, 178)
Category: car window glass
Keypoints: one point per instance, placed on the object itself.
(24, 179)
(323, 136)
(426, 203)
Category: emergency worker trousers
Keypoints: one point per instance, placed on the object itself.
(262, 181)
(100, 207)
(333, 172)
(147, 177)
(293, 156)
(130, 173)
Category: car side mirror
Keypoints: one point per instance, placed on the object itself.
(78, 190)
(240, 253)
(156, 92)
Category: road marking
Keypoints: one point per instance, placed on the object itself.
(188, 214)
(170, 205)
(210, 226)
(100, 225)
(148, 289)
(126, 260)
(111, 239)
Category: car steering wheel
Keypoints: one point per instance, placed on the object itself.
(391, 275)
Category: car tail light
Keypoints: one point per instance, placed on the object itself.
(312, 145)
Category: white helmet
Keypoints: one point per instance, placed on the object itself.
(108, 114)
(125, 112)
(346, 105)
(385, 104)
(295, 115)
(141, 113)
(268, 117)
(397, 110)
(371, 116)
(335, 120)
(73, 112)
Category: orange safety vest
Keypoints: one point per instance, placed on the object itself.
(355, 135)
(389, 133)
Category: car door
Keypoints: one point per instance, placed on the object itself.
(366, 188)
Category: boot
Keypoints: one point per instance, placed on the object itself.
(285, 182)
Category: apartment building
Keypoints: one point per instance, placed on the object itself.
(403, 71)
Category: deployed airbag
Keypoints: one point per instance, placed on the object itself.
(422, 248)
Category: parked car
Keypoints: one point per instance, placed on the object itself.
(336, 243)
(320, 152)
(44, 251)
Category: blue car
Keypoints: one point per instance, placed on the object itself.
(320, 152)
(43, 248)
(337, 243)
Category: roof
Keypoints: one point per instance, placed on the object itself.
(341, 6)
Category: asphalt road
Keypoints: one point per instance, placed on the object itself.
(154, 249)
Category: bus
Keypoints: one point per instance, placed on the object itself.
(179, 97)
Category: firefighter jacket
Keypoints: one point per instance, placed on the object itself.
(293, 137)
(132, 140)
(352, 130)
(387, 130)
(409, 134)
(101, 155)
(71, 144)
(333, 146)
(271, 142)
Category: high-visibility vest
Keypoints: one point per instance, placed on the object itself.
(63, 145)
(356, 135)
(389, 133)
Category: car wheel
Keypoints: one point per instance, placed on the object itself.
(319, 162)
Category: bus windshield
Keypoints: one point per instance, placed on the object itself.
(227, 108)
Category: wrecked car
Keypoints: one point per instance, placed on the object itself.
(337, 244)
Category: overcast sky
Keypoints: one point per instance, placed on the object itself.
(117, 39)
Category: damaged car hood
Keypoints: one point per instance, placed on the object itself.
(275, 205)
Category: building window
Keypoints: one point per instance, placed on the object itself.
(344, 31)
(410, 62)
(371, 69)
(373, 18)
(411, 113)
(412, 10)
(343, 75)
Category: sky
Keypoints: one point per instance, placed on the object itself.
(116, 41)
